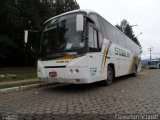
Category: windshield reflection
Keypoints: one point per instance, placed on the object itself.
(60, 35)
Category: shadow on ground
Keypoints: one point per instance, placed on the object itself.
(124, 78)
(84, 87)
(73, 88)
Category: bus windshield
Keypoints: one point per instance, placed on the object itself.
(60, 35)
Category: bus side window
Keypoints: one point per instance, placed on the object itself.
(96, 20)
(93, 39)
(100, 43)
(95, 33)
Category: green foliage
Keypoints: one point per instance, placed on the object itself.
(19, 84)
(61, 6)
(6, 44)
(19, 15)
(15, 74)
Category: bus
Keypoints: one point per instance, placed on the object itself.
(154, 64)
(80, 47)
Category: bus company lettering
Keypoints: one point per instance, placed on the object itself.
(121, 52)
(62, 61)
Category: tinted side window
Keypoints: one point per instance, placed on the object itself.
(100, 39)
(128, 42)
(121, 39)
(95, 35)
(132, 46)
(111, 32)
(96, 20)
(102, 24)
(91, 38)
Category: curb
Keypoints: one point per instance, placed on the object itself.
(26, 87)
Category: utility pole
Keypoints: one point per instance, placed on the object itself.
(150, 50)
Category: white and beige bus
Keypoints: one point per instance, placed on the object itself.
(82, 47)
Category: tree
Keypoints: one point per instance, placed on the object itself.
(6, 45)
(8, 23)
(127, 30)
(61, 6)
(19, 15)
(122, 26)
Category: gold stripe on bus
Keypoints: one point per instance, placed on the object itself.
(64, 58)
(104, 55)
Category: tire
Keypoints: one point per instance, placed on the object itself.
(110, 76)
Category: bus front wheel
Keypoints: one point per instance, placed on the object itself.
(110, 76)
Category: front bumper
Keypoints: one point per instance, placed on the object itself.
(65, 80)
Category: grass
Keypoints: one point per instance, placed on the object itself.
(23, 73)
(18, 84)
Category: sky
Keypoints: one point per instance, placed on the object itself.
(144, 13)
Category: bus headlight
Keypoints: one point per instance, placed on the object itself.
(76, 70)
(71, 70)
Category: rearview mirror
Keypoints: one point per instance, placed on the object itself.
(79, 23)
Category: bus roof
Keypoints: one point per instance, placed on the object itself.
(154, 60)
(73, 11)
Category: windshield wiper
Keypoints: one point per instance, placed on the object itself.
(83, 36)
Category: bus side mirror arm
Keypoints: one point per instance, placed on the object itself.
(79, 23)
